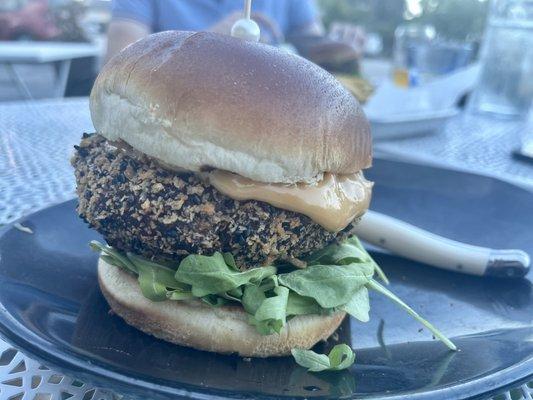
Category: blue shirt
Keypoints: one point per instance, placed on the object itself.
(198, 15)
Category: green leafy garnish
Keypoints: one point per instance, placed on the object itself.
(330, 286)
(340, 357)
(271, 315)
(387, 293)
(211, 275)
(301, 305)
(215, 301)
(347, 252)
(337, 278)
(179, 294)
(359, 305)
(252, 298)
(113, 257)
(155, 279)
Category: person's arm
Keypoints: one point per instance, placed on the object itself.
(131, 20)
(123, 32)
(303, 20)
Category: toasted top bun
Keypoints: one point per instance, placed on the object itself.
(195, 324)
(195, 100)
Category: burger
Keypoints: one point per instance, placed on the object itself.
(225, 177)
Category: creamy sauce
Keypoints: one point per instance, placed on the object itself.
(333, 202)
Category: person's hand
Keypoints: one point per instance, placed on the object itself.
(352, 35)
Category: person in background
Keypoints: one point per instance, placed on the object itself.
(281, 21)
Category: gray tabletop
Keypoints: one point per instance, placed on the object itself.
(36, 140)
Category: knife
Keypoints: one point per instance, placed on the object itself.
(411, 242)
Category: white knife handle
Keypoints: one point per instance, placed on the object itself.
(419, 245)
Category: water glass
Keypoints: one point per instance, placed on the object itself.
(408, 38)
(505, 87)
(527, 136)
(420, 55)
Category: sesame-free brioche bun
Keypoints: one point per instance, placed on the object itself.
(195, 324)
(195, 100)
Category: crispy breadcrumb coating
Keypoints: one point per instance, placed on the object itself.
(141, 207)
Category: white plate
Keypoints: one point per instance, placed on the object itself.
(401, 125)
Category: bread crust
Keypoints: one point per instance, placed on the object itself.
(196, 100)
(194, 324)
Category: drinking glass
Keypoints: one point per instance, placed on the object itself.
(505, 86)
(420, 55)
(527, 136)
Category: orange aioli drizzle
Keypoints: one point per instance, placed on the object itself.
(333, 202)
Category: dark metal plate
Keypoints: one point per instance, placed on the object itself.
(51, 307)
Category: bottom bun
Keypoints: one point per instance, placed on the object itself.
(195, 324)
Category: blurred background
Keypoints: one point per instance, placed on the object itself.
(414, 64)
(446, 84)
(454, 20)
(455, 24)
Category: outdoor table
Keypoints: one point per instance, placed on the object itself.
(60, 53)
(36, 140)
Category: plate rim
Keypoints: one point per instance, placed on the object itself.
(430, 115)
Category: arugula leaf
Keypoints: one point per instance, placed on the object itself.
(269, 283)
(314, 362)
(211, 275)
(340, 357)
(337, 278)
(300, 305)
(162, 274)
(237, 292)
(155, 280)
(230, 261)
(113, 256)
(230, 296)
(271, 314)
(178, 294)
(387, 293)
(252, 298)
(150, 286)
(113, 261)
(347, 252)
(368, 258)
(267, 314)
(330, 286)
(380, 272)
(359, 305)
(265, 328)
(214, 300)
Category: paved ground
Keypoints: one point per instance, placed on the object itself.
(38, 78)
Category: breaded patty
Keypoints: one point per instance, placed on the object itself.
(141, 207)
